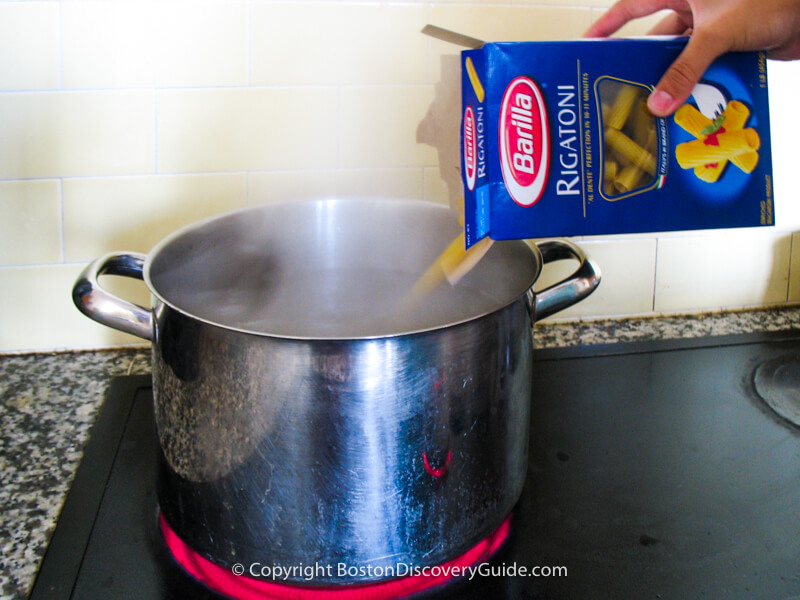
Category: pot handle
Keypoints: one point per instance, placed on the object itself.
(571, 290)
(103, 307)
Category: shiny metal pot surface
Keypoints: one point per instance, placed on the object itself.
(307, 412)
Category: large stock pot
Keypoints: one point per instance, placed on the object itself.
(307, 411)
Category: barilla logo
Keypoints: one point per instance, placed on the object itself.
(524, 141)
(470, 148)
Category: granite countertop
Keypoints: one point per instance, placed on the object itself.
(50, 401)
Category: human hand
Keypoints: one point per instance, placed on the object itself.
(716, 27)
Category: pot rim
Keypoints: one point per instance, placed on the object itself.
(166, 241)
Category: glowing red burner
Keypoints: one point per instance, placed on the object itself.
(224, 582)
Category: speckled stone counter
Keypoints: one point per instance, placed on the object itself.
(554, 335)
(48, 403)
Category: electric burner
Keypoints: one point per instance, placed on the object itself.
(777, 381)
(655, 470)
(236, 583)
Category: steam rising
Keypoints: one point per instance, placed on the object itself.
(330, 269)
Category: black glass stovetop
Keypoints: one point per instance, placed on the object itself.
(655, 471)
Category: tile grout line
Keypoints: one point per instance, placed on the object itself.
(155, 132)
(248, 201)
(789, 274)
(63, 228)
(60, 34)
(250, 26)
(655, 277)
(61, 221)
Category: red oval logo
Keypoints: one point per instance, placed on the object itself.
(470, 148)
(524, 141)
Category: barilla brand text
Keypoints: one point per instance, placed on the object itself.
(524, 141)
(474, 146)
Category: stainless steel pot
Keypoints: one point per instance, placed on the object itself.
(306, 412)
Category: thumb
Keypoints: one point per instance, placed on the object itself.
(677, 83)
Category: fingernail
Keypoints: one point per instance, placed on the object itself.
(661, 103)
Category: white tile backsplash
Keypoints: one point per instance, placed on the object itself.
(106, 214)
(29, 46)
(145, 43)
(379, 127)
(123, 120)
(30, 224)
(37, 311)
(794, 270)
(337, 43)
(254, 128)
(725, 268)
(67, 134)
(627, 268)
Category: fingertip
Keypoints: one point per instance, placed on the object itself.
(662, 104)
(596, 30)
(590, 33)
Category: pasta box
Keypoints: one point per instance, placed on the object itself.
(557, 141)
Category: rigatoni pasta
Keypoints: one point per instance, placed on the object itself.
(736, 115)
(630, 150)
(691, 120)
(710, 173)
(746, 161)
(718, 142)
(727, 144)
(628, 179)
(621, 108)
(629, 138)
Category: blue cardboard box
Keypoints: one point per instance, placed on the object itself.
(556, 141)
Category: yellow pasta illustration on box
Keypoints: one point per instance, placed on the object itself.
(718, 142)
(630, 141)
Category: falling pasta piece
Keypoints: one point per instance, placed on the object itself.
(452, 264)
